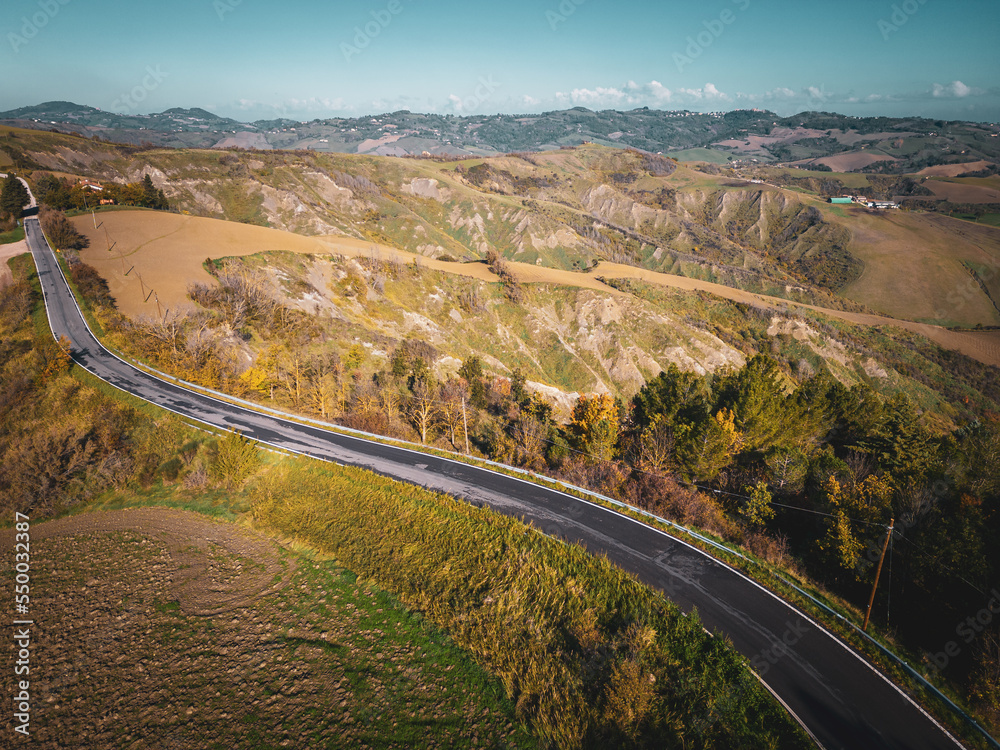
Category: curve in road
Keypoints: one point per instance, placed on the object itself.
(837, 695)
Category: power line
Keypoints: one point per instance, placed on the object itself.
(937, 561)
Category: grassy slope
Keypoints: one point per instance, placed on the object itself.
(917, 267)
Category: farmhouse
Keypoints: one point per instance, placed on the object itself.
(882, 204)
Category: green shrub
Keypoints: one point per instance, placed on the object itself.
(237, 460)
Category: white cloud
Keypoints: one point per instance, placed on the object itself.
(817, 93)
(712, 93)
(659, 92)
(600, 96)
(954, 90)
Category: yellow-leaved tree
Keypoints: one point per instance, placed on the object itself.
(595, 426)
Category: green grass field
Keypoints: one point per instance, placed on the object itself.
(14, 235)
(702, 154)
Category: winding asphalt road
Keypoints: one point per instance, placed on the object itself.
(841, 700)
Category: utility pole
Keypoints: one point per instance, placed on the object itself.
(878, 572)
(465, 426)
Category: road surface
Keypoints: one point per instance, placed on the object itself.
(833, 692)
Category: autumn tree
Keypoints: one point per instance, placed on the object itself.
(706, 448)
(60, 232)
(453, 411)
(858, 508)
(595, 426)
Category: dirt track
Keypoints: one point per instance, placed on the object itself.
(7, 252)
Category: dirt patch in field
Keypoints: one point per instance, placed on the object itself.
(954, 170)
(161, 628)
(199, 583)
(916, 267)
(753, 143)
(7, 252)
(155, 255)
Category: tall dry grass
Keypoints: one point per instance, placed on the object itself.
(591, 657)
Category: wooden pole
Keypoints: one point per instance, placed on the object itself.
(878, 572)
(465, 426)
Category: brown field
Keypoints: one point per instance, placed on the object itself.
(779, 135)
(168, 250)
(162, 628)
(953, 170)
(852, 160)
(914, 267)
(963, 192)
(164, 252)
(852, 137)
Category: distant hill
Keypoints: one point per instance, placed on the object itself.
(814, 140)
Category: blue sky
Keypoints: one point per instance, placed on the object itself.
(249, 59)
